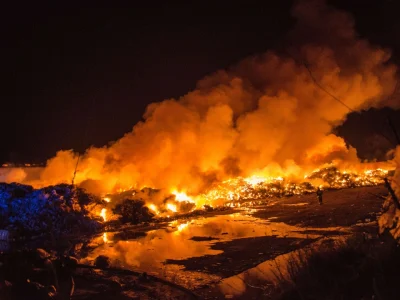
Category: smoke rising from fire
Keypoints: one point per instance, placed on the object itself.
(266, 115)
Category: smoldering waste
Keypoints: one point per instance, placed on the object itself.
(59, 209)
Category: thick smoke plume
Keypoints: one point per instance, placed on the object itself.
(267, 115)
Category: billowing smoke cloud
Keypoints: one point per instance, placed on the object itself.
(265, 115)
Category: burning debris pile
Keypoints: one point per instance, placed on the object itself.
(60, 210)
(245, 189)
(261, 188)
(336, 179)
(137, 206)
(133, 211)
(55, 209)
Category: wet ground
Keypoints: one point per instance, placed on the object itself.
(214, 254)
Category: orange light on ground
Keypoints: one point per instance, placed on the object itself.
(105, 238)
(103, 214)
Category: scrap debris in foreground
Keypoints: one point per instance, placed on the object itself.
(54, 210)
(36, 274)
(65, 209)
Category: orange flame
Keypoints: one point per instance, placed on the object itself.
(171, 207)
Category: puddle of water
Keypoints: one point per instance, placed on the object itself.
(296, 204)
(182, 240)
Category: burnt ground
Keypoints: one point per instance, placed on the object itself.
(340, 208)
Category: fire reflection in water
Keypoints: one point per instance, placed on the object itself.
(176, 242)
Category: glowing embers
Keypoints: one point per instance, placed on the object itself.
(153, 208)
(254, 180)
(255, 188)
(336, 179)
(121, 190)
(258, 187)
(239, 192)
(182, 197)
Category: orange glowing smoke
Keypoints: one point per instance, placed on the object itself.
(265, 117)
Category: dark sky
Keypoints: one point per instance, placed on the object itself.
(76, 75)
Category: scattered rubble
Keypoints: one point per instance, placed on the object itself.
(56, 210)
(133, 211)
(102, 262)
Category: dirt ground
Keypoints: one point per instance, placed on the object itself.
(340, 208)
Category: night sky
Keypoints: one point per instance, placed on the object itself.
(76, 75)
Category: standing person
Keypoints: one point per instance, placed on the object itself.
(319, 195)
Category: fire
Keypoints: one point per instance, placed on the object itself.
(254, 180)
(153, 208)
(181, 196)
(171, 207)
(107, 199)
(103, 214)
(258, 187)
(255, 130)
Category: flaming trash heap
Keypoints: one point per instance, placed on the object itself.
(272, 114)
(240, 191)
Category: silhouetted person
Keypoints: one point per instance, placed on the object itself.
(319, 195)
